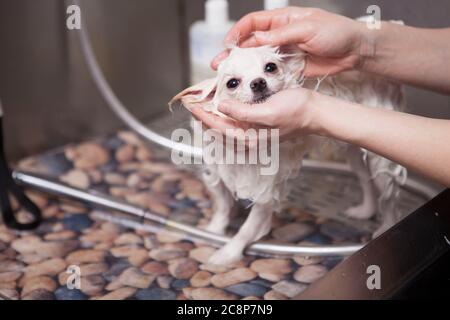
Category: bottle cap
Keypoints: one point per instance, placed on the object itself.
(274, 4)
(216, 12)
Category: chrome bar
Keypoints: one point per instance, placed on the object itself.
(94, 198)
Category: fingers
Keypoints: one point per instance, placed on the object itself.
(264, 21)
(219, 58)
(259, 20)
(296, 33)
(250, 42)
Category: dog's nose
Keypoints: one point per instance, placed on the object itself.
(258, 85)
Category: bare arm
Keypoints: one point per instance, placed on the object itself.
(411, 55)
(419, 143)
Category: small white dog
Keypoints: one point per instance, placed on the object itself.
(252, 75)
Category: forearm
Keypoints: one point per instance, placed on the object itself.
(411, 55)
(420, 144)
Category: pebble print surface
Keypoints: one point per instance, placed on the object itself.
(118, 262)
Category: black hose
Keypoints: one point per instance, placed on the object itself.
(9, 186)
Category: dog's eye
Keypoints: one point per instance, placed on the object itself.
(270, 67)
(232, 83)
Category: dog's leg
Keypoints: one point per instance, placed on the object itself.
(223, 202)
(368, 207)
(388, 218)
(387, 181)
(257, 225)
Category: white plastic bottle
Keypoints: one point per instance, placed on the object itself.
(206, 39)
(275, 4)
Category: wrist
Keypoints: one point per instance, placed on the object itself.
(312, 119)
(380, 47)
(368, 43)
(342, 120)
(329, 117)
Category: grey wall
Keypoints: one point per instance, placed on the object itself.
(50, 100)
(46, 91)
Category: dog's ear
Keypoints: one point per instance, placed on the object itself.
(202, 92)
(295, 59)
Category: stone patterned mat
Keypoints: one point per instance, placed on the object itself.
(119, 262)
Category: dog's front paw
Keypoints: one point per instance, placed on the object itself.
(226, 256)
(381, 229)
(215, 228)
(361, 212)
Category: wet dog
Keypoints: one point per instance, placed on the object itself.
(252, 75)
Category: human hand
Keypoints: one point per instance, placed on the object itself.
(290, 111)
(334, 43)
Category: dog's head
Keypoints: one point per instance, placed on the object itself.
(250, 75)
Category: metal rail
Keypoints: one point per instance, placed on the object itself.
(96, 199)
